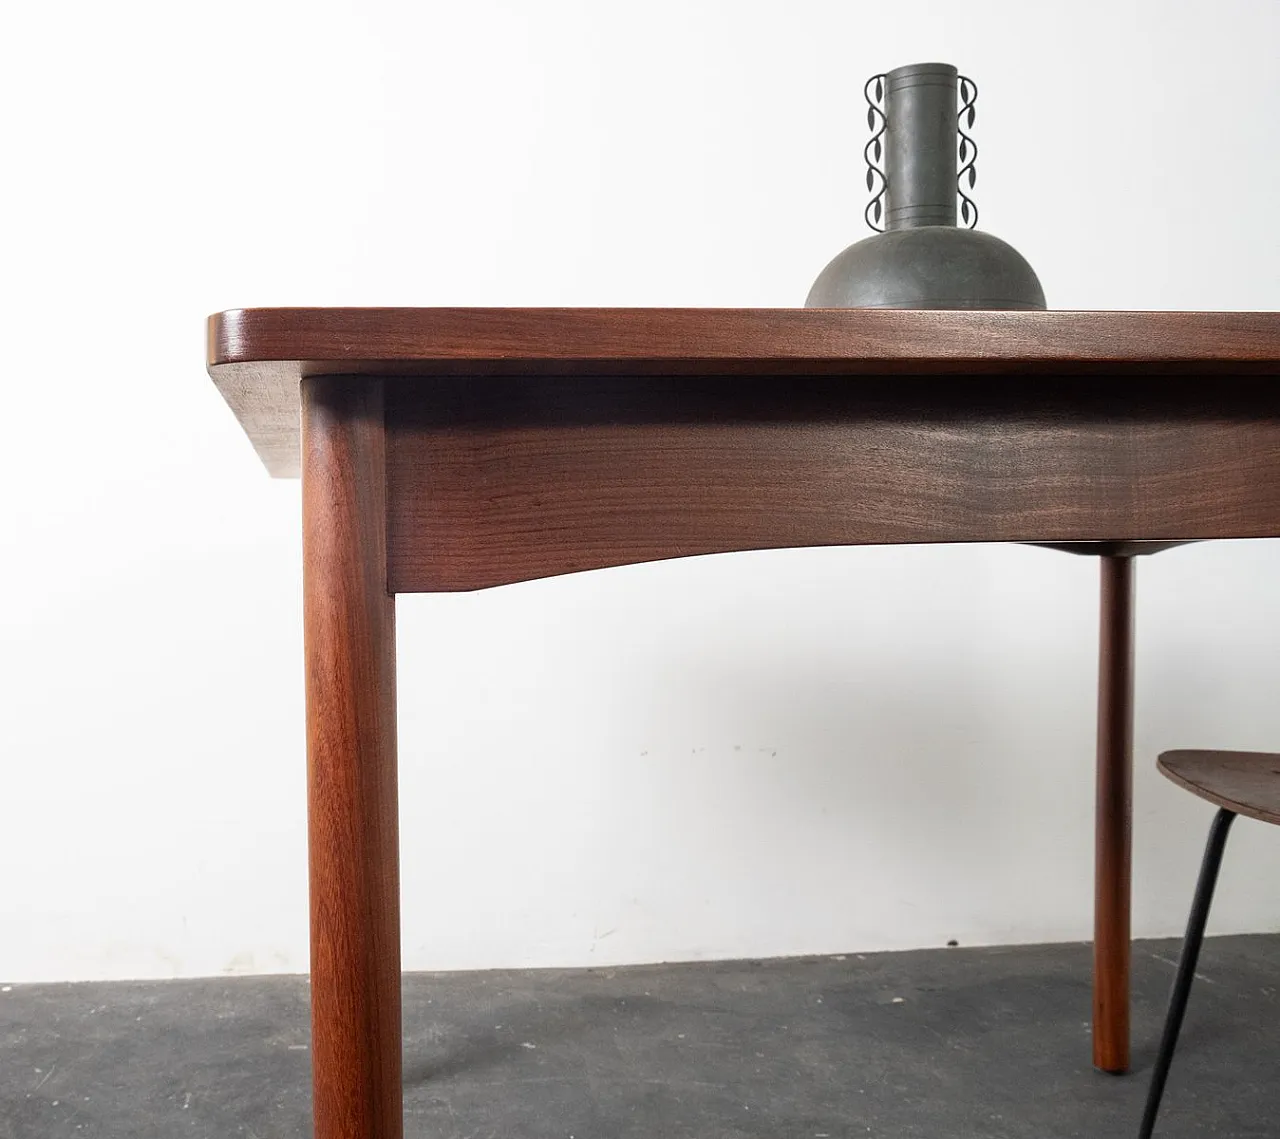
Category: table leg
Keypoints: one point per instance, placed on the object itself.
(349, 622)
(1114, 818)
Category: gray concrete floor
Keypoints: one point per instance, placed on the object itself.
(939, 1043)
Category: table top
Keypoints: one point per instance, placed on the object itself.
(257, 356)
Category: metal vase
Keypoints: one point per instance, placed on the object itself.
(923, 258)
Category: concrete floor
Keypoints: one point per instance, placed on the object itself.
(940, 1044)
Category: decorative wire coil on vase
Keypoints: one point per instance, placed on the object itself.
(922, 258)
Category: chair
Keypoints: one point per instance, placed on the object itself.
(1239, 783)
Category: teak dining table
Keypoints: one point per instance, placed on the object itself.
(457, 449)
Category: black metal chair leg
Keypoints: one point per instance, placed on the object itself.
(1187, 964)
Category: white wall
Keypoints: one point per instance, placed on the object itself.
(777, 753)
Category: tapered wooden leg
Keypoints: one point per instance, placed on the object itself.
(1114, 818)
(351, 763)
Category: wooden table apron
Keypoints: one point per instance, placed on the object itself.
(462, 449)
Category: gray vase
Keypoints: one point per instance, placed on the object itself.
(923, 259)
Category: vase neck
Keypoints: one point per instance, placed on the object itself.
(920, 145)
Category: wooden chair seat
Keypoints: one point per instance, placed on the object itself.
(1246, 782)
(1238, 783)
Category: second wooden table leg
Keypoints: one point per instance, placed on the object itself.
(349, 620)
(1114, 818)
